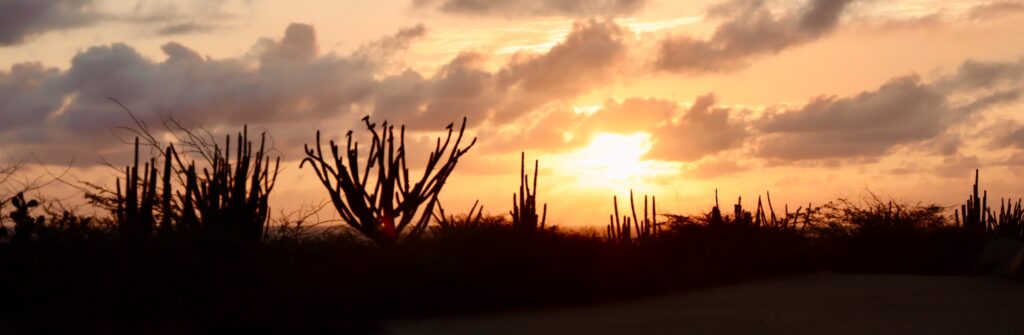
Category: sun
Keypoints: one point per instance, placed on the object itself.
(612, 161)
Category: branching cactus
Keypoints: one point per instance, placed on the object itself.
(524, 207)
(377, 198)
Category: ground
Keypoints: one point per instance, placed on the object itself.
(809, 304)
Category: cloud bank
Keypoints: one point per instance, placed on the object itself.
(21, 20)
(287, 80)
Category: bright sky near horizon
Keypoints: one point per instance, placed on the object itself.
(810, 99)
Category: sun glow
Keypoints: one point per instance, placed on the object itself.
(612, 161)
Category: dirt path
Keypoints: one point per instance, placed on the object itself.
(812, 304)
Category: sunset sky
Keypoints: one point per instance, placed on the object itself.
(811, 100)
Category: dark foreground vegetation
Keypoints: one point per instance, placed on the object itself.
(189, 249)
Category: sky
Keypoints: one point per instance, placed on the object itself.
(811, 100)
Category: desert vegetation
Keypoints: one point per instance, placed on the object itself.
(188, 244)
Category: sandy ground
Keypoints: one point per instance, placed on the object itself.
(811, 304)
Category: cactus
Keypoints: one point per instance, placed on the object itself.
(524, 208)
(976, 216)
(230, 199)
(740, 216)
(445, 221)
(24, 224)
(622, 231)
(769, 219)
(135, 216)
(716, 214)
(972, 214)
(166, 207)
(393, 207)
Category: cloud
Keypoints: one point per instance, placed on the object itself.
(750, 29)
(20, 20)
(546, 133)
(387, 46)
(957, 166)
(631, 115)
(461, 88)
(677, 134)
(974, 74)
(589, 57)
(901, 111)
(704, 129)
(904, 111)
(522, 8)
(714, 168)
(1006, 134)
(179, 17)
(287, 80)
(995, 9)
(25, 97)
(183, 28)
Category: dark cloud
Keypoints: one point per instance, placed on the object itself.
(520, 8)
(869, 124)
(904, 111)
(750, 29)
(25, 99)
(21, 20)
(974, 74)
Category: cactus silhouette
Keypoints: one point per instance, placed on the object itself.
(393, 207)
(24, 224)
(524, 204)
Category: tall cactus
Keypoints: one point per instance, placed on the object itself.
(624, 230)
(134, 212)
(972, 214)
(1009, 223)
(230, 199)
(976, 216)
(524, 207)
